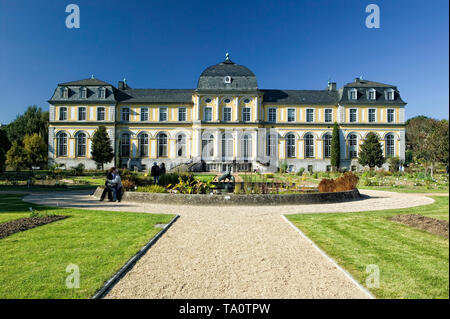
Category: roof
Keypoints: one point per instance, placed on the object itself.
(324, 97)
(242, 79)
(363, 86)
(85, 82)
(155, 95)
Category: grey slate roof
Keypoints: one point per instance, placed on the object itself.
(363, 87)
(155, 95)
(86, 82)
(322, 97)
(242, 79)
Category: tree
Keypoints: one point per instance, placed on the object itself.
(335, 148)
(35, 150)
(16, 156)
(34, 120)
(5, 144)
(2, 160)
(102, 151)
(371, 153)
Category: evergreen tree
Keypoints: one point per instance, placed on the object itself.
(34, 120)
(102, 151)
(2, 160)
(335, 148)
(4, 140)
(371, 153)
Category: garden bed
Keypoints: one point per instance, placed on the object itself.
(235, 199)
(428, 224)
(22, 224)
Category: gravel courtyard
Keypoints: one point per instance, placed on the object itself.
(234, 252)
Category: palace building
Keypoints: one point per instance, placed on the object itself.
(227, 122)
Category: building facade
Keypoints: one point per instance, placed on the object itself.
(227, 122)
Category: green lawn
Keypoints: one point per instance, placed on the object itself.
(204, 177)
(33, 263)
(406, 189)
(412, 263)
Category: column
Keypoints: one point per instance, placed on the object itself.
(236, 109)
(217, 148)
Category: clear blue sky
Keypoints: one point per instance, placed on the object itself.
(167, 44)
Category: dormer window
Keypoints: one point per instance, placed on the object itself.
(101, 93)
(64, 92)
(389, 95)
(227, 79)
(353, 94)
(83, 92)
(372, 94)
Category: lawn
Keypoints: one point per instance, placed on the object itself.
(33, 263)
(412, 263)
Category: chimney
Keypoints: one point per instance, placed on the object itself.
(121, 85)
(331, 86)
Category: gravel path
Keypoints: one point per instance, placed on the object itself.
(235, 252)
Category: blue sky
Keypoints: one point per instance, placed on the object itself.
(167, 44)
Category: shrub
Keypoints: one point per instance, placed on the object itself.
(238, 188)
(78, 170)
(283, 166)
(394, 163)
(152, 189)
(301, 171)
(327, 186)
(128, 185)
(173, 178)
(315, 175)
(270, 175)
(346, 182)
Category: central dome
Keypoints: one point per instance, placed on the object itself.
(227, 75)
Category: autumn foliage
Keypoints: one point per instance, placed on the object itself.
(346, 182)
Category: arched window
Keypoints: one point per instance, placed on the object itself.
(81, 144)
(390, 145)
(125, 145)
(327, 145)
(246, 147)
(162, 145)
(227, 145)
(62, 144)
(353, 146)
(181, 145)
(143, 144)
(290, 145)
(208, 146)
(271, 145)
(309, 145)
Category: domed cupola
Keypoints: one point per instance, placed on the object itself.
(227, 75)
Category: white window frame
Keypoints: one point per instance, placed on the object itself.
(181, 145)
(83, 92)
(295, 115)
(369, 93)
(350, 94)
(65, 113)
(387, 94)
(122, 113)
(350, 115)
(244, 111)
(210, 110)
(163, 112)
(368, 115)
(182, 111)
(142, 113)
(274, 109)
(309, 149)
(313, 115)
(393, 115)
(85, 113)
(104, 113)
(325, 115)
(223, 114)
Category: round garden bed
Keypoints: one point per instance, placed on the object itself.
(235, 199)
